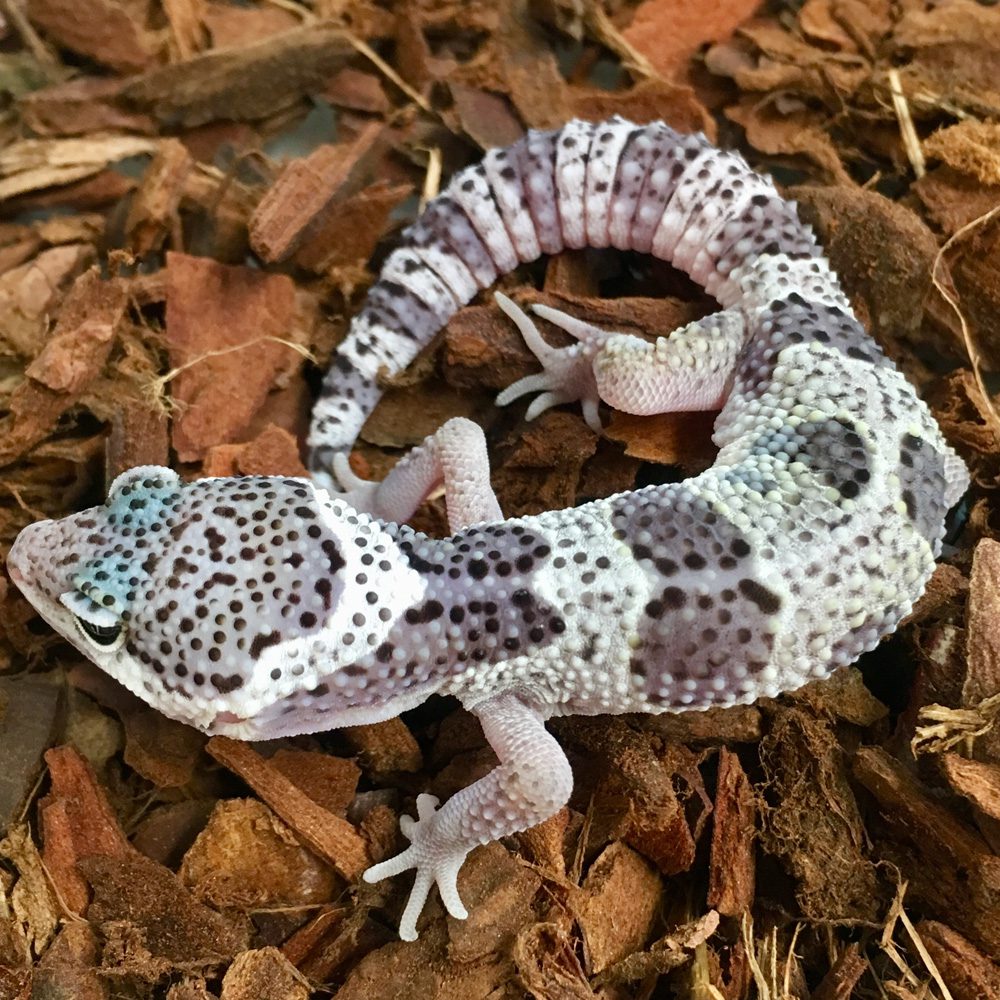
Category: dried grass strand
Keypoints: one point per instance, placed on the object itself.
(952, 299)
(153, 389)
(432, 176)
(947, 727)
(383, 67)
(907, 131)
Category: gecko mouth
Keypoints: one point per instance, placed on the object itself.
(227, 719)
(17, 557)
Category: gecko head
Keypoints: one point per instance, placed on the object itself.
(230, 604)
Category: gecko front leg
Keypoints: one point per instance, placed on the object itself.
(454, 457)
(532, 782)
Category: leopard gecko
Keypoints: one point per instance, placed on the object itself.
(266, 606)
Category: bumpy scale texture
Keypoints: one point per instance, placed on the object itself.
(266, 606)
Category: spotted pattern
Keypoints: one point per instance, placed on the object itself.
(259, 607)
(262, 606)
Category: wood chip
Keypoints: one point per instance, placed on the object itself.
(163, 751)
(104, 31)
(151, 925)
(88, 321)
(188, 34)
(683, 439)
(950, 869)
(31, 293)
(32, 164)
(76, 822)
(153, 214)
(969, 974)
(814, 824)
(732, 869)
(82, 106)
(983, 676)
(652, 798)
(881, 250)
(617, 906)
(32, 900)
(333, 942)
(542, 471)
(675, 949)
(840, 981)
(348, 236)
(329, 781)
(247, 859)
(303, 197)
(245, 83)
(274, 452)
(500, 892)
(70, 968)
(385, 747)
(669, 32)
(224, 325)
(264, 974)
(843, 695)
(545, 844)
(328, 835)
(139, 436)
(28, 724)
(978, 782)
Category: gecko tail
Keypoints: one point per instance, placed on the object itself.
(646, 188)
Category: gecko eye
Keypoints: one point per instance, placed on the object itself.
(104, 635)
(101, 627)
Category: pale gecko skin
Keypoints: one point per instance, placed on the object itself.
(262, 607)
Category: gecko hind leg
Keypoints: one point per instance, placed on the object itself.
(689, 369)
(454, 457)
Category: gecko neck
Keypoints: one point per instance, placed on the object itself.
(470, 579)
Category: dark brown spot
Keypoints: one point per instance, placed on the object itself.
(261, 642)
(765, 599)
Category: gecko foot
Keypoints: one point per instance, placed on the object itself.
(436, 859)
(568, 372)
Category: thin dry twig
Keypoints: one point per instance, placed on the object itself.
(12, 11)
(603, 29)
(373, 57)
(911, 141)
(305, 15)
(790, 957)
(701, 984)
(951, 297)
